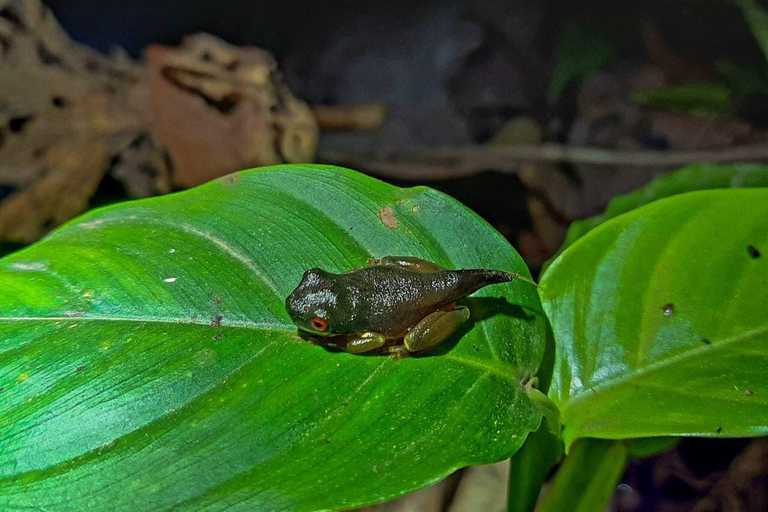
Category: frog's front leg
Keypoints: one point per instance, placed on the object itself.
(435, 328)
(406, 262)
(364, 342)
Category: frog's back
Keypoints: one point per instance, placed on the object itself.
(391, 300)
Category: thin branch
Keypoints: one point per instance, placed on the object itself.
(363, 117)
(456, 162)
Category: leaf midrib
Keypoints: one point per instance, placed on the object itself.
(147, 320)
(505, 371)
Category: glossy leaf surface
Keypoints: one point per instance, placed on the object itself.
(147, 361)
(659, 318)
(688, 179)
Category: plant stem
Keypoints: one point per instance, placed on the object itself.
(531, 465)
(586, 480)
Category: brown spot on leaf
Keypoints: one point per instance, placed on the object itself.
(216, 320)
(668, 309)
(748, 392)
(415, 208)
(387, 216)
(80, 368)
(230, 179)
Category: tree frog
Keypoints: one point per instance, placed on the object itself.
(396, 304)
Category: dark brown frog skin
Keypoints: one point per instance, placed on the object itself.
(386, 299)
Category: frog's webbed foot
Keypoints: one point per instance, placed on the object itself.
(406, 262)
(364, 342)
(435, 328)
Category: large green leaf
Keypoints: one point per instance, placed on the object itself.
(147, 361)
(659, 317)
(689, 178)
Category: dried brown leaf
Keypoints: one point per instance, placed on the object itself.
(219, 108)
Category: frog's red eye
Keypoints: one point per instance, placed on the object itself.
(319, 324)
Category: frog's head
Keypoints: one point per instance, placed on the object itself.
(315, 306)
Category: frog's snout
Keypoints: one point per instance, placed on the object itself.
(296, 307)
(312, 303)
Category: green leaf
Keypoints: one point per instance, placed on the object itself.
(689, 178)
(700, 99)
(744, 79)
(583, 48)
(588, 477)
(147, 361)
(757, 18)
(647, 446)
(659, 320)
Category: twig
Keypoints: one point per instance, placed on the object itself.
(364, 117)
(456, 162)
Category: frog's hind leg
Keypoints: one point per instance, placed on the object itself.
(435, 328)
(365, 342)
(407, 262)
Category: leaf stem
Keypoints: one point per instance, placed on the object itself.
(587, 479)
(531, 465)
